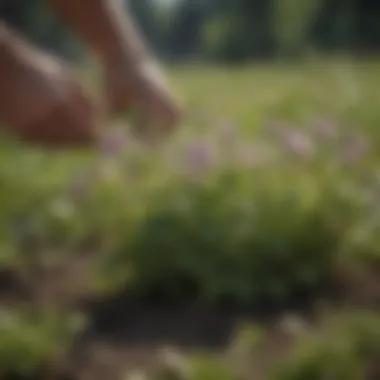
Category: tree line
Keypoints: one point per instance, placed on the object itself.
(225, 30)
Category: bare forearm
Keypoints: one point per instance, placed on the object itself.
(12, 50)
(40, 101)
(104, 26)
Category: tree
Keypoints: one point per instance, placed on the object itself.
(35, 20)
(186, 29)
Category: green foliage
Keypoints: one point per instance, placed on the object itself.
(32, 344)
(241, 215)
(292, 24)
(238, 237)
(254, 212)
(224, 39)
(344, 347)
(242, 30)
(40, 25)
(224, 30)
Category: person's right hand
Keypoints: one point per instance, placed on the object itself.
(40, 101)
(142, 89)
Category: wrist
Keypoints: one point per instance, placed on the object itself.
(129, 55)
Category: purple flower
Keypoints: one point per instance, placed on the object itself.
(200, 157)
(325, 129)
(298, 143)
(113, 143)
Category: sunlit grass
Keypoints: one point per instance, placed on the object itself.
(266, 194)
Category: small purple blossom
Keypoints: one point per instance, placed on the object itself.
(114, 143)
(325, 129)
(298, 143)
(200, 157)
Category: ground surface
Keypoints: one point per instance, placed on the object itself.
(126, 334)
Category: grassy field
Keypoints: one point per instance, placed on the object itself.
(252, 235)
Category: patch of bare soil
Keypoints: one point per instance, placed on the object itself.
(126, 335)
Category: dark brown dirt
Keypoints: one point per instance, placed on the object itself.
(127, 335)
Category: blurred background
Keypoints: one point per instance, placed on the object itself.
(247, 246)
(226, 30)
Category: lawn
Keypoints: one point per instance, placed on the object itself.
(264, 202)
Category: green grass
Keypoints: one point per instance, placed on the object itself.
(267, 194)
(262, 197)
